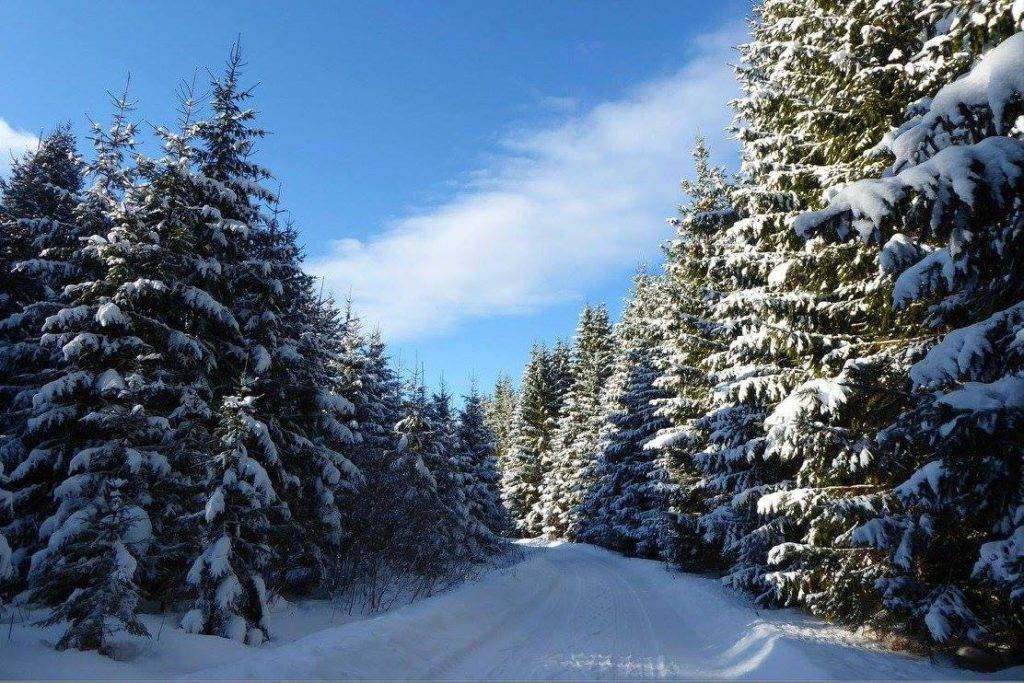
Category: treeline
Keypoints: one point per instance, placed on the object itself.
(821, 397)
(186, 423)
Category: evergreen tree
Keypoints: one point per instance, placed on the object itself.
(38, 215)
(320, 437)
(95, 553)
(155, 259)
(229, 576)
(458, 474)
(947, 220)
(378, 535)
(827, 424)
(477, 460)
(575, 448)
(382, 398)
(806, 321)
(701, 427)
(560, 373)
(103, 419)
(956, 33)
(39, 233)
(500, 409)
(286, 336)
(136, 360)
(626, 506)
(6, 566)
(430, 533)
(532, 432)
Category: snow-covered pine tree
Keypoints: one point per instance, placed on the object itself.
(694, 446)
(443, 417)
(829, 422)
(319, 435)
(376, 531)
(445, 463)
(107, 412)
(39, 232)
(822, 80)
(560, 372)
(500, 409)
(229, 576)
(477, 460)
(160, 275)
(381, 406)
(574, 452)
(285, 338)
(236, 207)
(457, 476)
(947, 219)
(364, 373)
(626, 506)
(532, 432)
(38, 204)
(427, 543)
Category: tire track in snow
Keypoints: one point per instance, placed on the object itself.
(520, 613)
(656, 660)
(539, 636)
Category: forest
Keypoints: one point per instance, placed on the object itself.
(817, 397)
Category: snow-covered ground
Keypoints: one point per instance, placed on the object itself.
(566, 611)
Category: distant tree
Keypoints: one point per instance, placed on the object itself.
(575, 441)
(500, 409)
(626, 505)
(532, 432)
(477, 461)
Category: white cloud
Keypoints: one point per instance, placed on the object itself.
(13, 143)
(554, 211)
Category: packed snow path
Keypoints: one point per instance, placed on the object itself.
(575, 611)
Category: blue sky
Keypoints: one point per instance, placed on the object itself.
(472, 171)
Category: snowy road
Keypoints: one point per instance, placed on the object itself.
(575, 611)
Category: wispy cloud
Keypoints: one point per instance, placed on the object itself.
(555, 210)
(13, 143)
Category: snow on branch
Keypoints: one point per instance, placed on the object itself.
(989, 95)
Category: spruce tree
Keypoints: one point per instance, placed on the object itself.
(956, 33)
(377, 532)
(429, 535)
(39, 241)
(532, 433)
(229, 576)
(283, 343)
(828, 423)
(809, 333)
(560, 374)
(320, 436)
(500, 410)
(626, 506)
(946, 219)
(477, 459)
(458, 473)
(575, 445)
(6, 565)
(158, 263)
(701, 426)
(115, 394)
